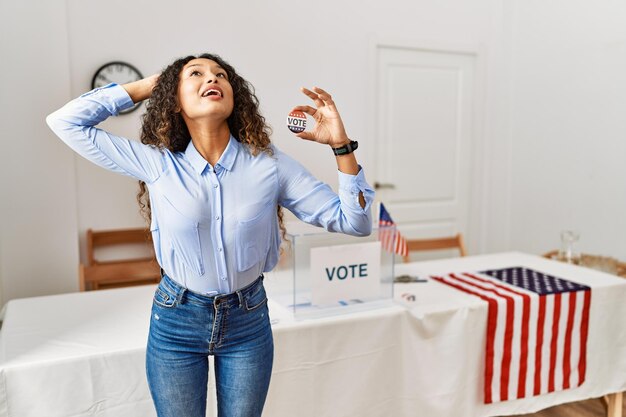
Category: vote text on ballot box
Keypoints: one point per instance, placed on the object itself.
(334, 273)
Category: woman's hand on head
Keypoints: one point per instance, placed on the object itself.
(152, 80)
(329, 127)
(141, 89)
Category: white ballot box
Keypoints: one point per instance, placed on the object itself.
(323, 273)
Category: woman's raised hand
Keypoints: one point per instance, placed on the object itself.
(141, 89)
(328, 128)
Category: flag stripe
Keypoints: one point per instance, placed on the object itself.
(584, 329)
(521, 383)
(532, 342)
(575, 353)
(568, 340)
(541, 320)
(560, 344)
(553, 344)
(397, 244)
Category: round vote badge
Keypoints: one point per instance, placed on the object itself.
(296, 121)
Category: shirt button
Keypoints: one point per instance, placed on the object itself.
(215, 186)
(219, 249)
(223, 278)
(217, 217)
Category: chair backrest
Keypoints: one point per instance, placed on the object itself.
(100, 274)
(107, 238)
(436, 244)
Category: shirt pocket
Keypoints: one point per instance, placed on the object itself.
(180, 237)
(185, 242)
(252, 238)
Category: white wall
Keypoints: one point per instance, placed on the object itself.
(553, 105)
(568, 115)
(38, 252)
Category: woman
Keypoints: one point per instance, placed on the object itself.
(216, 185)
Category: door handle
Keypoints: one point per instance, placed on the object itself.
(379, 186)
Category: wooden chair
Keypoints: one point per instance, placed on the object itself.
(96, 275)
(436, 244)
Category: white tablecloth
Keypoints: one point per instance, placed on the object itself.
(83, 354)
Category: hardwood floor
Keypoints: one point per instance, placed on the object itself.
(587, 408)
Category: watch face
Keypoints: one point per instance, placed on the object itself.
(119, 73)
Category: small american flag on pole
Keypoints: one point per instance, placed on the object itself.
(390, 237)
(537, 327)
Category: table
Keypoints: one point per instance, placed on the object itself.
(82, 354)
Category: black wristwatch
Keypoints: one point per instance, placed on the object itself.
(347, 148)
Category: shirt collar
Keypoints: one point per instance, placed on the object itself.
(226, 161)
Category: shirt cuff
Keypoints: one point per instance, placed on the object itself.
(353, 185)
(112, 96)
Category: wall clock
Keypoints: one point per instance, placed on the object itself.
(116, 72)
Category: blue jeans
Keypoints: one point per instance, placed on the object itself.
(186, 327)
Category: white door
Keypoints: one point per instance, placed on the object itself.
(424, 110)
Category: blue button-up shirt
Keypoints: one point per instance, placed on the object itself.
(214, 228)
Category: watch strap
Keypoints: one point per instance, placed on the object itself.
(347, 148)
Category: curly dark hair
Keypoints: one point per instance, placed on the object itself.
(163, 126)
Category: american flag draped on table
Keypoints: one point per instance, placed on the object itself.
(390, 238)
(537, 327)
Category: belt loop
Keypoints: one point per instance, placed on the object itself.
(240, 298)
(179, 296)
